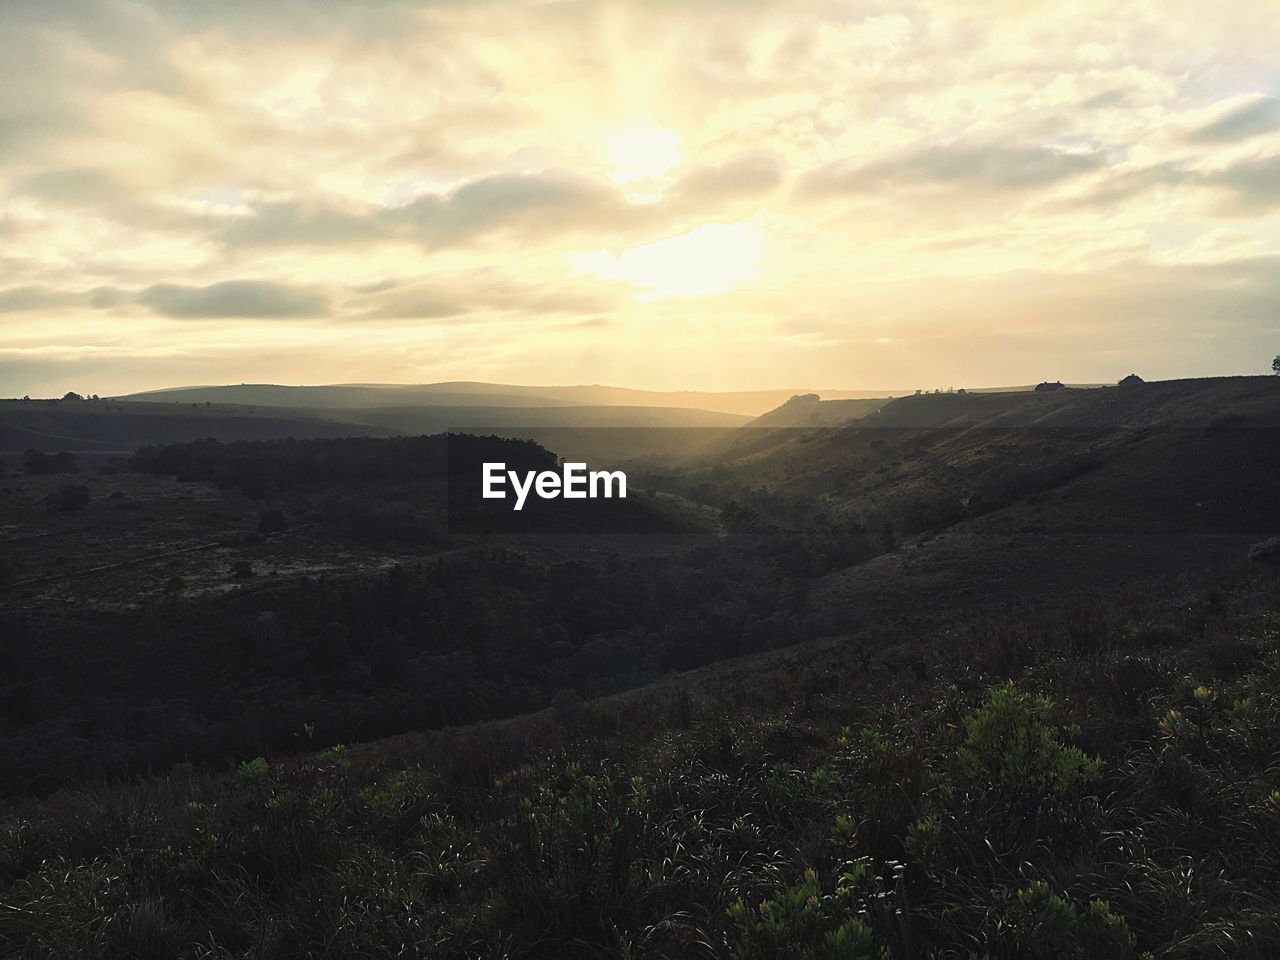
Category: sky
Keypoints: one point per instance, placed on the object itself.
(668, 195)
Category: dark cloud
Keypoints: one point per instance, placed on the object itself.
(552, 200)
(17, 299)
(1253, 185)
(1250, 120)
(234, 298)
(988, 168)
(483, 292)
(547, 203)
(1125, 186)
(305, 224)
(71, 186)
(97, 192)
(103, 298)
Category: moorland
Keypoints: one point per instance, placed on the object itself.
(953, 674)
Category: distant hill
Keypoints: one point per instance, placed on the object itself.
(810, 410)
(469, 419)
(109, 426)
(747, 403)
(597, 433)
(354, 395)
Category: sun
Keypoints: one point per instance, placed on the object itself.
(712, 258)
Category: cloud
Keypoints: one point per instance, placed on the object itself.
(746, 176)
(154, 155)
(34, 298)
(72, 186)
(18, 299)
(1107, 100)
(234, 299)
(103, 298)
(991, 168)
(292, 223)
(1253, 185)
(556, 201)
(1127, 185)
(547, 204)
(479, 294)
(1248, 120)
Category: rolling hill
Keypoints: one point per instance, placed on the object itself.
(110, 426)
(1020, 497)
(973, 673)
(748, 403)
(575, 430)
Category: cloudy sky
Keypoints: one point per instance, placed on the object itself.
(659, 194)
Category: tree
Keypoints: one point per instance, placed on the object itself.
(1275, 366)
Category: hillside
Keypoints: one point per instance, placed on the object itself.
(810, 410)
(112, 426)
(779, 676)
(770, 430)
(931, 440)
(1038, 786)
(1015, 496)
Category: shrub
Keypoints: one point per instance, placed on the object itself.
(71, 497)
(254, 771)
(803, 923)
(1047, 925)
(1012, 747)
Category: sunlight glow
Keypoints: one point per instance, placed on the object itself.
(712, 258)
(641, 153)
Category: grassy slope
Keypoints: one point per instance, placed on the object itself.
(944, 815)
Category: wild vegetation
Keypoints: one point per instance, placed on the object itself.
(899, 688)
(1088, 806)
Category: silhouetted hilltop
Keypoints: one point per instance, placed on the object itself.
(746, 403)
(810, 410)
(113, 426)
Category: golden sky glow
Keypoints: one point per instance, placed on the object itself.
(712, 195)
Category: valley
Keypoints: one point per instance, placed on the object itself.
(246, 623)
